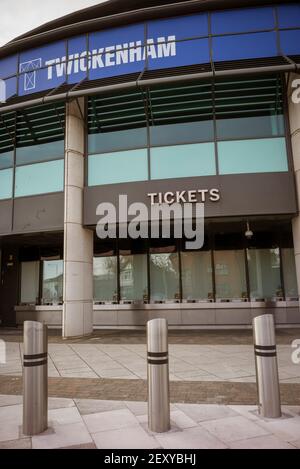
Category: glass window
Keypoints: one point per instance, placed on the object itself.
(264, 273)
(289, 273)
(6, 160)
(164, 275)
(6, 183)
(53, 281)
(105, 279)
(133, 277)
(114, 141)
(230, 274)
(247, 127)
(118, 167)
(40, 178)
(30, 274)
(253, 156)
(41, 152)
(197, 282)
(183, 161)
(191, 132)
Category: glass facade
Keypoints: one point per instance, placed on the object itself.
(106, 277)
(52, 281)
(32, 151)
(229, 268)
(264, 274)
(230, 275)
(164, 274)
(226, 126)
(41, 276)
(30, 278)
(197, 276)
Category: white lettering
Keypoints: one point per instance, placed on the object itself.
(152, 197)
(167, 198)
(97, 61)
(214, 195)
(166, 48)
(109, 56)
(135, 51)
(122, 54)
(50, 64)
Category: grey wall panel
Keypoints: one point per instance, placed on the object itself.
(105, 318)
(293, 316)
(172, 316)
(199, 317)
(133, 318)
(51, 318)
(242, 194)
(6, 210)
(233, 316)
(39, 213)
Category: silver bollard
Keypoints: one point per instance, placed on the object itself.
(35, 378)
(158, 376)
(266, 366)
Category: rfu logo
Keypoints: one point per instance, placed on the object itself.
(296, 352)
(29, 71)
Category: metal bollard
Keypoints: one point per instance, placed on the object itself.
(35, 378)
(158, 376)
(266, 366)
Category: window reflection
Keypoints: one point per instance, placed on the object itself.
(264, 274)
(164, 275)
(30, 272)
(289, 273)
(133, 277)
(230, 275)
(105, 279)
(197, 283)
(52, 281)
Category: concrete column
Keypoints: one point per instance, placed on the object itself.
(294, 114)
(78, 241)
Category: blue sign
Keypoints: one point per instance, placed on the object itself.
(159, 44)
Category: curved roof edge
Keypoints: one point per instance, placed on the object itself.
(117, 13)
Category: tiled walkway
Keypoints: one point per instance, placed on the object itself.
(190, 362)
(109, 425)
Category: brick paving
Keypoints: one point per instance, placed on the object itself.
(201, 337)
(136, 390)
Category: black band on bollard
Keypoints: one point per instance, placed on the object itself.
(265, 347)
(262, 354)
(157, 354)
(158, 362)
(31, 364)
(36, 356)
(265, 350)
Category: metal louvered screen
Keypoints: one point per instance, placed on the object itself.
(203, 100)
(7, 132)
(40, 124)
(247, 97)
(116, 112)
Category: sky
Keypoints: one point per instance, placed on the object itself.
(19, 16)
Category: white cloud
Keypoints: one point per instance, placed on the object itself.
(19, 16)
